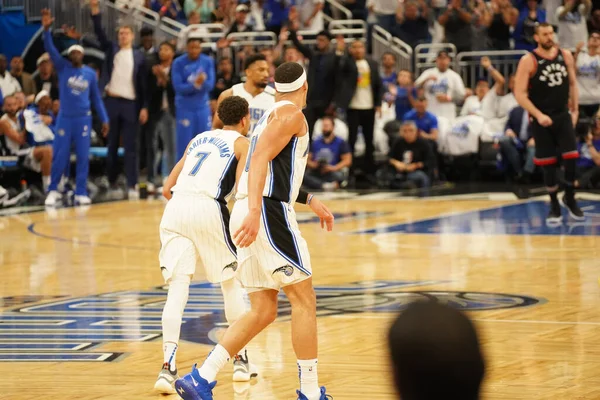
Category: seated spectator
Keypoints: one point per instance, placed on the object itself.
(46, 79)
(412, 159)
(528, 19)
(385, 12)
(412, 25)
(457, 21)
(24, 79)
(572, 25)
(426, 122)
(388, 69)
(31, 145)
(461, 136)
(8, 83)
(310, 15)
(485, 99)
(203, 8)
(425, 341)
(403, 94)
(340, 129)
(503, 17)
(588, 76)
(442, 86)
(239, 24)
(588, 165)
(517, 145)
(328, 161)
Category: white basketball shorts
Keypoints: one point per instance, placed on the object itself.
(196, 228)
(279, 257)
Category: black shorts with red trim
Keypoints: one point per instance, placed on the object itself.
(554, 140)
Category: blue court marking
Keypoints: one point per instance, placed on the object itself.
(527, 218)
(58, 356)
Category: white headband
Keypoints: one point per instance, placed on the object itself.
(40, 95)
(291, 87)
(75, 47)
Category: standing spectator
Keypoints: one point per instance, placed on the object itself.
(24, 79)
(79, 90)
(310, 13)
(424, 340)
(225, 78)
(485, 99)
(588, 165)
(46, 79)
(361, 96)
(257, 14)
(442, 87)
(503, 17)
(329, 159)
(204, 8)
(572, 26)
(426, 122)
(388, 69)
(358, 8)
(161, 110)
(277, 14)
(239, 24)
(404, 94)
(322, 75)
(517, 144)
(172, 9)
(588, 76)
(193, 76)
(457, 23)
(147, 43)
(412, 158)
(594, 21)
(223, 13)
(8, 84)
(528, 19)
(413, 26)
(385, 12)
(124, 77)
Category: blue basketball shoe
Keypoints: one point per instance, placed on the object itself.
(194, 387)
(324, 396)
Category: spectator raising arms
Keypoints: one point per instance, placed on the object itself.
(412, 26)
(310, 14)
(503, 17)
(457, 22)
(528, 19)
(329, 159)
(572, 25)
(588, 76)
(442, 87)
(385, 12)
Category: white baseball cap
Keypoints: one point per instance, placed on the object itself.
(40, 95)
(75, 47)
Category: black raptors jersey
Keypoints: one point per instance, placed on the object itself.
(549, 86)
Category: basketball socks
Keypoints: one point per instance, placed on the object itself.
(233, 299)
(309, 380)
(179, 288)
(46, 182)
(215, 361)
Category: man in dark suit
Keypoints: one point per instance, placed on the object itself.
(161, 108)
(360, 92)
(25, 79)
(322, 71)
(517, 143)
(124, 78)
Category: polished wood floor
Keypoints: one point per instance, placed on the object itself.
(549, 349)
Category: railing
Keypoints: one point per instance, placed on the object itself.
(254, 39)
(338, 10)
(383, 41)
(33, 9)
(469, 64)
(425, 55)
(11, 5)
(210, 32)
(350, 29)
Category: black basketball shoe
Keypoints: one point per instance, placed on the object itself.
(574, 211)
(554, 216)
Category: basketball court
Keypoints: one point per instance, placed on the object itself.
(82, 296)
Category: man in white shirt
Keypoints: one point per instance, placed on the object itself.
(588, 76)
(9, 85)
(385, 11)
(311, 15)
(443, 87)
(572, 25)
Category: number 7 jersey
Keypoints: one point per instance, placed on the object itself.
(549, 86)
(210, 165)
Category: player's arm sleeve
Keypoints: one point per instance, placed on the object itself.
(302, 197)
(58, 60)
(96, 99)
(180, 83)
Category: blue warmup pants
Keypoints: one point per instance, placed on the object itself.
(77, 131)
(189, 124)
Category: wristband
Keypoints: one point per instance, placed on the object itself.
(310, 197)
(302, 197)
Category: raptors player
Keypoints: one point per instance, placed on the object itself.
(546, 86)
(271, 251)
(255, 90)
(195, 225)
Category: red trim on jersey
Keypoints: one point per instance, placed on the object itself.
(535, 67)
(570, 155)
(540, 162)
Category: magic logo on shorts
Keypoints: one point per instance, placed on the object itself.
(48, 329)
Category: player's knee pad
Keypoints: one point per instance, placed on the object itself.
(570, 165)
(233, 298)
(177, 297)
(550, 176)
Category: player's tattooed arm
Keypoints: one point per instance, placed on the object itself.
(217, 123)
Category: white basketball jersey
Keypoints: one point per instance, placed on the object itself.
(12, 146)
(210, 165)
(286, 171)
(258, 105)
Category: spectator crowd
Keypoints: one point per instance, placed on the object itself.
(368, 118)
